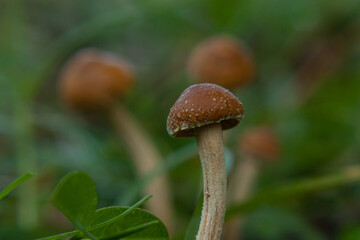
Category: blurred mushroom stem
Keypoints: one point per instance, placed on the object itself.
(146, 157)
(210, 144)
(240, 187)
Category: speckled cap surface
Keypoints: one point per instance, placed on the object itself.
(203, 104)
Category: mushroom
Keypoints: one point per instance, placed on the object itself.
(204, 111)
(92, 80)
(257, 145)
(222, 60)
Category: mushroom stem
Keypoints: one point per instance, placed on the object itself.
(210, 144)
(241, 185)
(146, 158)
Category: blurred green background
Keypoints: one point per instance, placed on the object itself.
(307, 88)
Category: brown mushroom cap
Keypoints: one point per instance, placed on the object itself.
(203, 104)
(222, 60)
(92, 79)
(261, 142)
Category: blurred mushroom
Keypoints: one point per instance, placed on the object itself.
(93, 80)
(257, 145)
(204, 111)
(222, 60)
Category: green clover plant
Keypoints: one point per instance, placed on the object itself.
(75, 196)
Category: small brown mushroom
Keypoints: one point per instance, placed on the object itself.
(222, 60)
(94, 80)
(256, 145)
(260, 142)
(204, 111)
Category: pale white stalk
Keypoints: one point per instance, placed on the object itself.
(146, 158)
(210, 144)
(240, 188)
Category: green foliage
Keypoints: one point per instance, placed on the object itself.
(138, 224)
(318, 134)
(76, 197)
(352, 233)
(273, 223)
(16, 183)
(294, 191)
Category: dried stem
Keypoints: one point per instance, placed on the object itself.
(210, 144)
(146, 158)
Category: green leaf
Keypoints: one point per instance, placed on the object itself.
(16, 183)
(60, 236)
(102, 224)
(85, 231)
(123, 214)
(139, 224)
(75, 196)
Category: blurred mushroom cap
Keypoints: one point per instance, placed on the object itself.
(222, 60)
(93, 79)
(261, 142)
(203, 104)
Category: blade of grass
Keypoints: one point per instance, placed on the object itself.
(84, 230)
(112, 237)
(129, 210)
(296, 189)
(59, 236)
(100, 225)
(26, 160)
(16, 183)
(115, 236)
(130, 231)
